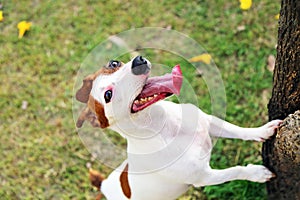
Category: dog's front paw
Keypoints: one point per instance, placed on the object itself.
(258, 173)
(267, 130)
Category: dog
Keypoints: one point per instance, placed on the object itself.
(168, 144)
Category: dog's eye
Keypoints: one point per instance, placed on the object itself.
(114, 64)
(107, 96)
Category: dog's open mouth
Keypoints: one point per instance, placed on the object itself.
(158, 88)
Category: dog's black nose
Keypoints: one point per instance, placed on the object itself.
(139, 66)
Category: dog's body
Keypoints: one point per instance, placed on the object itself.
(169, 144)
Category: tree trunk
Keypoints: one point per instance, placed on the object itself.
(281, 154)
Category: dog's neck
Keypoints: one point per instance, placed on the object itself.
(161, 134)
(146, 131)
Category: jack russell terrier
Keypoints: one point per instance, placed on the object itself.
(168, 144)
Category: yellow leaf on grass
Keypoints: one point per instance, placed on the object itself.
(245, 4)
(1, 15)
(23, 26)
(205, 58)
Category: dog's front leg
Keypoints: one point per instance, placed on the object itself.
(221, 128)
(255, 173)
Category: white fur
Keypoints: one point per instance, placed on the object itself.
(169, 144)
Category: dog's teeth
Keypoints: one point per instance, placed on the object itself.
(142, 100)
(145, 100)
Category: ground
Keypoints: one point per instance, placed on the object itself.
(42, 156)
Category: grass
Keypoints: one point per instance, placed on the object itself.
(42, 156)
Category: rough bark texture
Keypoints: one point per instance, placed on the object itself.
(281, 154)
(285, 98)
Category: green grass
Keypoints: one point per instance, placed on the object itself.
(42, 156)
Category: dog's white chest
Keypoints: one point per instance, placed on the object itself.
(182, 142)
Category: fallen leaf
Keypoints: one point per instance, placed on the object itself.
(271, 63)
(24, 105)
(245, 4)
(1, 16)
(205, 58)
(241, 28)
(23, 26)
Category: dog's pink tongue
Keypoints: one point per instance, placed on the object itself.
(168, 83)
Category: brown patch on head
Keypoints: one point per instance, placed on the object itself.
(125, 183)
(98, 109)
(83, 93)
(94, 112)
(109, 69)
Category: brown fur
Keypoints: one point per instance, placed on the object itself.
(96, 179)
(125, 183)
(87, 114)
(94, 112)
(99, 111)
(83, 93)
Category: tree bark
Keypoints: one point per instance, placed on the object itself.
(281, 154)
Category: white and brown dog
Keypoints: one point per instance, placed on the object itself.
(169, 144)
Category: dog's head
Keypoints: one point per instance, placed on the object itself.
(120, 90)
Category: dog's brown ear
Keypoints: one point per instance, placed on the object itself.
(83, 93)
(87, 115)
